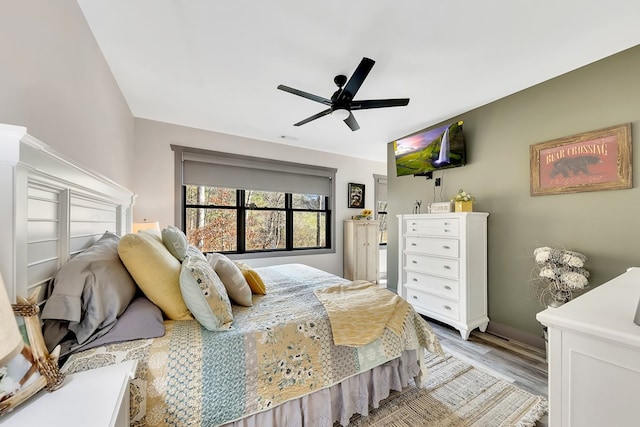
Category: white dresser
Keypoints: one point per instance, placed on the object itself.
(361, 240)
(594, 356)
(443, 267)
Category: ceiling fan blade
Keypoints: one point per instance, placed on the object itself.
(379, 103)
(303, 94)
(357, 78)
(315, 116)
(351, 122)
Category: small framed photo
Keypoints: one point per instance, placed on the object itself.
(590, 161)
(356, 195)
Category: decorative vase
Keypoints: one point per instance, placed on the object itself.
(464, 206)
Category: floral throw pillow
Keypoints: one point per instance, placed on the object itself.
(204, 294)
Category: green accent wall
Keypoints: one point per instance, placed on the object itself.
(604, 225)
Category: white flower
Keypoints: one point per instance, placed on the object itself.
(574, 280)
(560, 273)
(463, 196)
(547, 273)
(573, 259)
(542, 255)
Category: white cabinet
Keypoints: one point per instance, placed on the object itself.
(361, 240)
(594, 356)
(98, 398)
(443, 267)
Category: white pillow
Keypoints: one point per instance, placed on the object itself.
(204, 294)
(233, 279)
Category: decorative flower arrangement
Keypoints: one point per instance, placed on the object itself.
(463, 196)
(365, 214)
(559, 274)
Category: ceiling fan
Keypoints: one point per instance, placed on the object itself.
(342, 103)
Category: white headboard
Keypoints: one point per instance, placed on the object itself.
(50, 209)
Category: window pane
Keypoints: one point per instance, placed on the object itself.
(309, 229)
(308, 201)
(264, 199)
(382, 217)
(200, 195)
(265, 230)
(212, 230)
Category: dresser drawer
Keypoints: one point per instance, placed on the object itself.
(439, 266)
(432, 227)
(431, 246)
(437, 285)
(433, 303)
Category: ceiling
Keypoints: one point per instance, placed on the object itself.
(215, 65)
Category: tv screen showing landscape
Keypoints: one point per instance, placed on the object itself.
(434, 149)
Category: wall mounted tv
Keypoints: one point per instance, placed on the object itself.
(431, 150)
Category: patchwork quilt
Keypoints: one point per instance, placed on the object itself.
(279, 349)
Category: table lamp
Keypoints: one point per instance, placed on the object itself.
(145, 225)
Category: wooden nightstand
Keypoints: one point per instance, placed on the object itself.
(97, 398)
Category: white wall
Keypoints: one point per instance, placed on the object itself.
(55, 82)
(153, 177)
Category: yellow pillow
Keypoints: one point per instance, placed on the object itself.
(253, 278)
(155, 270)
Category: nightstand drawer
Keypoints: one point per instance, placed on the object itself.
(436, 304)
(437, 285)
(432, 265)
(432, 227)
(431, 246)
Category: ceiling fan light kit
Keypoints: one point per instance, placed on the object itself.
(342, 103)
(340, 114)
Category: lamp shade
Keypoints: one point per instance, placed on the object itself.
(11, 342)
(146, 225)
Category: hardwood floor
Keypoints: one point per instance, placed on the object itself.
(520, 364)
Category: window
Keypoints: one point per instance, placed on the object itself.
(380, 196)
(244, 205)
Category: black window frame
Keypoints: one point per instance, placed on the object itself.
(241, 211)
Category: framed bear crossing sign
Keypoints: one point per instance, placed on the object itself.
(590, 161)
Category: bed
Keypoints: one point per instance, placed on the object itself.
(279, 363)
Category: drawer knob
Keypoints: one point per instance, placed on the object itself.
(446, 307)
(414, 244)
(414, 297)
(447, 287)
(446, 247)
(446, 267)
(446, 230)
(413, 229)
(414, 261)
(415, 280)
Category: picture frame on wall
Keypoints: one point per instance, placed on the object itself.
(356, 195)
(589, 161)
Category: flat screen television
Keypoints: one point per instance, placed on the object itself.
(431, 150)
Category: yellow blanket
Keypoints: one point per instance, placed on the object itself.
(360, 311)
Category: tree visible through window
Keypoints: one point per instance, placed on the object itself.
(240, 221)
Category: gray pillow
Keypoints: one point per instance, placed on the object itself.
(142, 319)
(233, 279)
(88, 293)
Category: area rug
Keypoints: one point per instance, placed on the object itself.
(457, 395)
